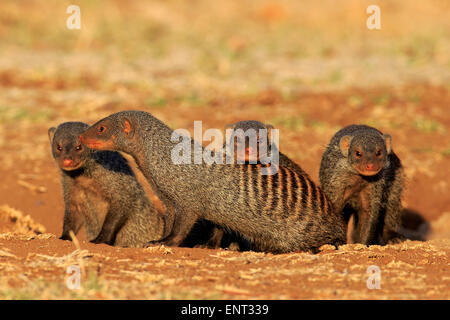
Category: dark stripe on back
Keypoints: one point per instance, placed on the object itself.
(322, 201)
(256, 177)
(304, 191)
(264, 187)
(294, 190)
(313, 196)
(285, 175)
(244, 182)
(275, 192)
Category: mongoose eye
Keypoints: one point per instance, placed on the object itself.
(59, 148)
(78, 147)
(101, 129)
(378, 153)
(358, 154)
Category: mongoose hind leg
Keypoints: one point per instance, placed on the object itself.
(72, 222)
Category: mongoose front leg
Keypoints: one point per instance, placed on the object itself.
(341, 195)
(351, 229)
(114, 220)
(183, 223)
(71, 222)
(216, 238)
(368, 217)
(392, 219)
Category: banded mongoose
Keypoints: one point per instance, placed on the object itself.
(101, 192)
(244, 132)
(361, 175)
(246, 140)
(282, 212)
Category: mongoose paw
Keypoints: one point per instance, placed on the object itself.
(207, 246)
(165, 242)
(234, 246)
(99, 240)
(153, 243)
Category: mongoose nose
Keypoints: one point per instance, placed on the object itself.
(369, 166)
(67, 162)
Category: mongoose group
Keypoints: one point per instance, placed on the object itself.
(282, 211)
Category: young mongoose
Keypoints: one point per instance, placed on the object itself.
(282, 212)
(363, 177)
(101, 191)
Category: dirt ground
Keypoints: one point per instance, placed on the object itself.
(399, 83)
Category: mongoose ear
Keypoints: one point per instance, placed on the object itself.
(388, 141)
(344, 144)
(128, 127)
(269, 129)
(229, 126)
(51, 133)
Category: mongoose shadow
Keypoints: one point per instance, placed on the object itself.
(101, 193)
(280, 211)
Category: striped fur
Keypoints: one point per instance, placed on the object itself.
(276, 213)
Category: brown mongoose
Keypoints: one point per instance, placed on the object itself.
(101, 191)
(361, 175)
(242, 136)
(282, 212)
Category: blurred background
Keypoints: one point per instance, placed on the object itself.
(307, 67)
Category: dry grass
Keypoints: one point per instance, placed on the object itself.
(15, 221)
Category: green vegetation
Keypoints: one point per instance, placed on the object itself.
(296, 123)
(428, 125)
(9, 114)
